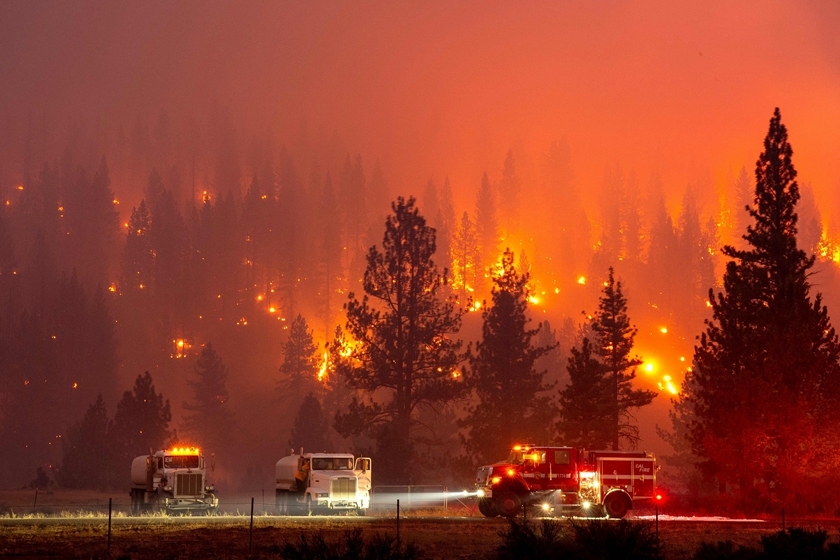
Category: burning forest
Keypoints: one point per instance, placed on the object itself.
(423, 234)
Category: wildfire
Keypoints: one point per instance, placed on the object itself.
(322, 371)
(181, 347)
(828, 249)
(668, 385)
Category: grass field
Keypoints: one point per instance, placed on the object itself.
(68, 530)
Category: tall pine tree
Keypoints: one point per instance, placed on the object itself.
(503, 373)
(765, 386)
(403, 354)
(209, 419)
(614, 343)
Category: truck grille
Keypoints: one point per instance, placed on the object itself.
(343, 488)
(188, 485)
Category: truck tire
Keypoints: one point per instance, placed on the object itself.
(617, 505)
(135, 503)
(487, 507)
(508, 504)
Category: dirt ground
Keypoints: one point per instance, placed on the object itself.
(67, 530)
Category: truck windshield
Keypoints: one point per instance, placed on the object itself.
(332, 463)
(180, 461)
(515, 457)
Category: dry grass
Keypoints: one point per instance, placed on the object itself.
(456, 534)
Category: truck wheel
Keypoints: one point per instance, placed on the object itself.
(487, 507)
(617, 505)
(135, 503)
(509, 504)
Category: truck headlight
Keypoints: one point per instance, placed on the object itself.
(322, 495)
(480, 493)
(209, 488)
(167, 488)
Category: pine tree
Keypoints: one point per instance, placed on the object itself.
(613, 345)
(330, 271)
(744, 193)
(465, 260)
(765, 386)
(487, 230)
(402, 341)
(585, 409)
(141, 422)
(503, 373)
(209, 419)
(311, 428)
(430, 205)
(446, 226)
(509, 193)
(87, 461)
(300, 363)
(138, 256)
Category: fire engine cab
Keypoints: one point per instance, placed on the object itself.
(566, 479)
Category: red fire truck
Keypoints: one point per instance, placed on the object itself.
(566, 479)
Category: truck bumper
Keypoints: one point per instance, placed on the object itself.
(182, 504)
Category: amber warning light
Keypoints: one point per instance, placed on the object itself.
(183, 451)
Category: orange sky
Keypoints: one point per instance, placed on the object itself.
(681, 89)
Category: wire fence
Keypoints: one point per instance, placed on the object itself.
(383, 502)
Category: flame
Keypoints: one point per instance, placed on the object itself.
(533, 299)
(181, 347)
(322, 371)
(668, 385)
(581, 280)
(828, 249)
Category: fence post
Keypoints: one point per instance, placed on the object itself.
(36, 501)
(251, 531)
(109, 525)
(398, 522)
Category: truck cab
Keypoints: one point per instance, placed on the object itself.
(561, 479)
(530, 471)
(174, 480)
(323, 482)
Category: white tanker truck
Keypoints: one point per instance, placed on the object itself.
(174, 480)
(322, 482)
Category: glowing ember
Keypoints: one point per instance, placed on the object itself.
(663, 330)
(581, 280)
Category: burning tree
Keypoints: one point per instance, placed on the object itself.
(763, 396)
(403, 346)
(503, 373)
